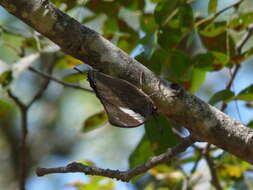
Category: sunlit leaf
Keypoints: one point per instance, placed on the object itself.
(229, 170)
(212, 6)
(198, 77)
(164, 171)
(74, 77)
(241, 21)
(67, 62)
(95, 121)
(86, 162)
(95, 183)
(213, 29)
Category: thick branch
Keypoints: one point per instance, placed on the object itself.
(120, 175)
(204, 121)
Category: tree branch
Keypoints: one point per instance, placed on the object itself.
(121, 175)
(204, 121)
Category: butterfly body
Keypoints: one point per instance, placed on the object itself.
(126, 105)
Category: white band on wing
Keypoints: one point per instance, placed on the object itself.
(133, 114)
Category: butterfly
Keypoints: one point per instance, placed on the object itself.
(126, 105)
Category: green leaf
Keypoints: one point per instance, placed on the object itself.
(67, 62)
(133, 4)
(223, 95)
(142, 152)
(169, 37)
(240, 22)
(95, 183)
(198, 77)
(246, 94)
(5, 108)
(210, 61)
(159, 58)
(110, 25)
(213, 29)
(164, 10)
(203, 61)
(6, 78)
(215, 37)
(177, 29)
(74, 77)
(148, 23)
(159, 133)
(179, 66)
(212, 6)
(250, 124)
(95, 121)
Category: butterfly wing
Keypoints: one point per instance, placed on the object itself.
(126, 105)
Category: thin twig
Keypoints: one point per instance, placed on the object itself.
(42, 88)
(238, 51)
(196, 164)
(245, 38)
(211, 165)
(121, 175)
(45, 75)
(23, 147)
(214, 16)
(208, 158)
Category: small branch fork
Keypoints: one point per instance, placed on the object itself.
(24, 115)
(24, 128)
(121, 175)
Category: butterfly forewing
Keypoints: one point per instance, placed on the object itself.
(125, 104)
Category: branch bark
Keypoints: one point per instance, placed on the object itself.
(121, 175)
(204, 121)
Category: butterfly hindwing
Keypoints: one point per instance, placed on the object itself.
(125, 104)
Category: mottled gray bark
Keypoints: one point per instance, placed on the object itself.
(204, 121)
